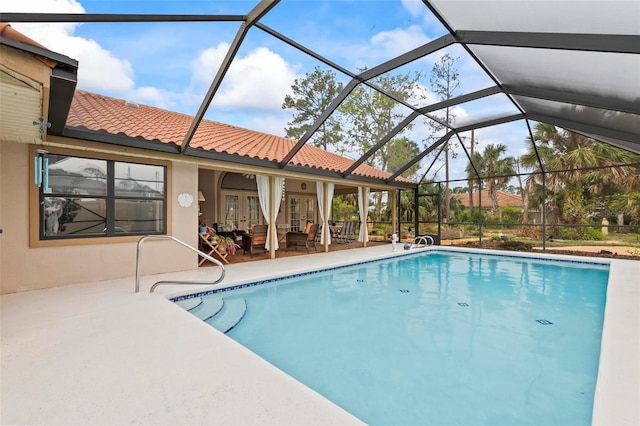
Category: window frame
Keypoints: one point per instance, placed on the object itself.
(37, 195)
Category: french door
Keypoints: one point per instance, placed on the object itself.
(302, 209)
(240, 209)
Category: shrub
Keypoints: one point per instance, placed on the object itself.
(592, 234)
(530, 232)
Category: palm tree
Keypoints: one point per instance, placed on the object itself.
(497, 169)
(565, 150)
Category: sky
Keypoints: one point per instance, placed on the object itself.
(172, 65)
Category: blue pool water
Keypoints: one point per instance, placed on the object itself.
(438, 338)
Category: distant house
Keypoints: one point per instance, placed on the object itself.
(504, 199)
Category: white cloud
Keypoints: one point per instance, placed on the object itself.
(99, 69)
(414, 7)
(417, 8)
(207, 64)
(267, 123)
(399, 41)
(43, 6)
(257, 80)
(153, 96)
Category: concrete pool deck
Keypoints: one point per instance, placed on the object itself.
(97, 353)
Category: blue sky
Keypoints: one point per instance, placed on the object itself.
(171, 65)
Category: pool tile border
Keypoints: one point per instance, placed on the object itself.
(302, 274)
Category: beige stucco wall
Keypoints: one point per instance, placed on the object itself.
(1, 220)
(25, 268)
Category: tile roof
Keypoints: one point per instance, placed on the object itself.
(116, 116)
(504, 199)
(8, 32)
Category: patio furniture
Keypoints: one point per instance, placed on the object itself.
(282, 229)
(254, 242)
(210, 248)
(336, 232)
(303, 239)
(318, 234)
(348, 231)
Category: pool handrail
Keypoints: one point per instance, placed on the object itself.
(421, 241)
(168, 237)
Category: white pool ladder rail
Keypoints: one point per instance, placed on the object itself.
(422, 241)
(182, 243)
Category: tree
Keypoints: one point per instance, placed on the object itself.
(444, 83)
(573, 192)
(370, 115)
(311, 97)
(399, 150)
(495, 168)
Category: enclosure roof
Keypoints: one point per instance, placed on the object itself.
(572, 64)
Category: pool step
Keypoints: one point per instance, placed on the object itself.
(208, 309)
(189, 304)
(231, 314)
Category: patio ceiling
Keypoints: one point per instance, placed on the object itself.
(575, 65)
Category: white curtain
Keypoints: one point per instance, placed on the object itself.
(321, 198)
(263, 195)
(279, 183)
(363, 207)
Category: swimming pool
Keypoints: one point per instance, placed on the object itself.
(440, 338)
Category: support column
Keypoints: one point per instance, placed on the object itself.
(394, 209)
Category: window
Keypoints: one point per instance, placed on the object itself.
(253, 210)
(230, 212)
(90, 197)
(294, 213)
(311, 210)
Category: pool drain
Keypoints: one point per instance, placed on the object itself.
(463, 304)
(404, 290)
(544, 322)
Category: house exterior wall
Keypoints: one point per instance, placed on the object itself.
(25, 75)
(28, 263)
(208, 184)
(24, 266)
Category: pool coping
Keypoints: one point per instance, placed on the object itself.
(67, 339)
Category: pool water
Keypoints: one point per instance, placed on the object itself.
(437, 338)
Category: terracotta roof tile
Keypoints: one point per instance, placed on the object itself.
(8, 32)
(116, 116)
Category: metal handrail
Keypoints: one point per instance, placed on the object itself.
(168, 237)
(421, 239)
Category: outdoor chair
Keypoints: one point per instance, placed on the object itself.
(336, 232)
(348, 231)
(255, 241)
(318, 234)
(303, 239)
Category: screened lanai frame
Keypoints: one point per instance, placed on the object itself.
(509, 41)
